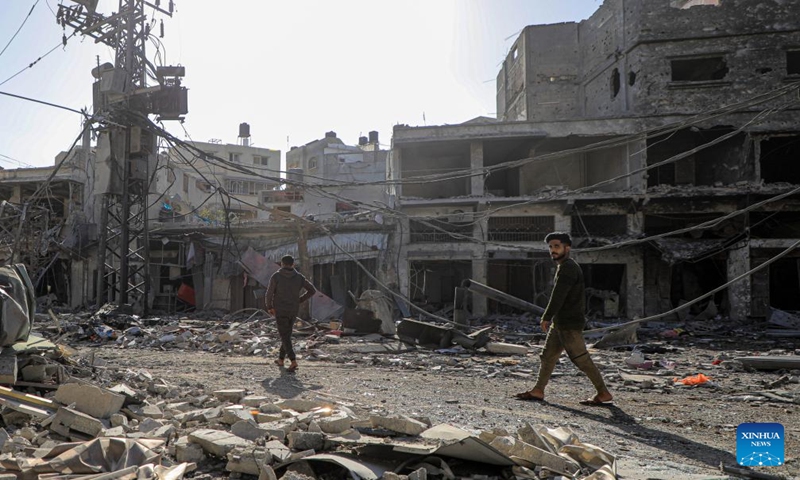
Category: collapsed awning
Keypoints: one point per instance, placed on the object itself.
(360, 245)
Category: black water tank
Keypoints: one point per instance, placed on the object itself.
(363, 140)
(244, 130)
(330, 134)
(373, 137)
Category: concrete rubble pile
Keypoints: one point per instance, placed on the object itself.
(143, 427)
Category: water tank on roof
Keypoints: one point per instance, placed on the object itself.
(244, 130)
(373, 137)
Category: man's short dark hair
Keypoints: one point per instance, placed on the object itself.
(563, 237)
(287, 260)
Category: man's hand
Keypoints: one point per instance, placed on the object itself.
(271, 311)
(545, 324)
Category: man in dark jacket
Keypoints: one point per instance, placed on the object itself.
(563, 321)
(283, 302)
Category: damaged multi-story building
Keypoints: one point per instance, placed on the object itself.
(663, 135)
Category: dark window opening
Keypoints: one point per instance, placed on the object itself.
(693, 279)
(435, 231)
(662, 175)
(605, 289)
(699, 69)
(764, 70)
(514, 277)
(793, 62)
(520, 229)
(775, 224)
(432, 284)
(784, 283)
(779, 160)
(631, 78)
(599, 225)
(615, 83)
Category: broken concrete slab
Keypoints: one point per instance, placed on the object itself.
(67, 420)
(280, 452)
(399, 423)
(233, 395)
(529, 456)
(254, 400)
(306, 441)
(149, 424)
(302, 406)
(337, 423)
(249, 430)
(217, 442)
(247, 460)
(499, 348)
(8, 367)
(771, 362)
(188, 452)
(235, 414)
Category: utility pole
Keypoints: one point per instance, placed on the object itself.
(121, 93)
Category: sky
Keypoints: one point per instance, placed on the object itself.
(292, 69)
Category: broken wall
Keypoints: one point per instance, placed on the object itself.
(552, 64)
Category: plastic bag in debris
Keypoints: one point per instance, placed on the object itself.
(698, 379)
(105, 332)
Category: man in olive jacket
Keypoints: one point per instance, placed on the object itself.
(283, 302)
(563, 321)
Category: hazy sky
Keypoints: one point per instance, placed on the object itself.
(292, 69)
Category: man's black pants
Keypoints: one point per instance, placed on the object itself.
(285, 323)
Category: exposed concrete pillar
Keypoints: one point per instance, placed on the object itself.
(634, 284)
(395, 168)
(563, 223)
(77, 283)
(479, 273)
(739, 294)
(637, 158)
(476, 163)
(16, 195)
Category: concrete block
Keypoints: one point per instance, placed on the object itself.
(34, 373)
(280, 452)
(269, 408)
(148, 425)
(118, 420)
(249, 430)
(247, 460)
(299, 405)
(113, 432)
(152, 411)
(280, 429)
(217, 442)
(337, 423)
(268, 417)
(393, 476)
(233, 395)
(306, 441)
(90, 399)
(254, 400)
(167, 431)
(188, 452)
(67, 419)
(506, 348)
(400, 424)
(235, 414)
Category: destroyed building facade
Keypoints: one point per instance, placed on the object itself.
(649, 118)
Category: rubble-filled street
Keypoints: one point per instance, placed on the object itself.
(203, 397)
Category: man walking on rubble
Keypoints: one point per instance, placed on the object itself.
(283, 303)
(563, 321)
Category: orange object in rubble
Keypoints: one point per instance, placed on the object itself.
(693, 380)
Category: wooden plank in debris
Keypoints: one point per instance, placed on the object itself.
(772, 362)
(11, 394)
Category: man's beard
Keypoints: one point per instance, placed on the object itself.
(557, 258)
